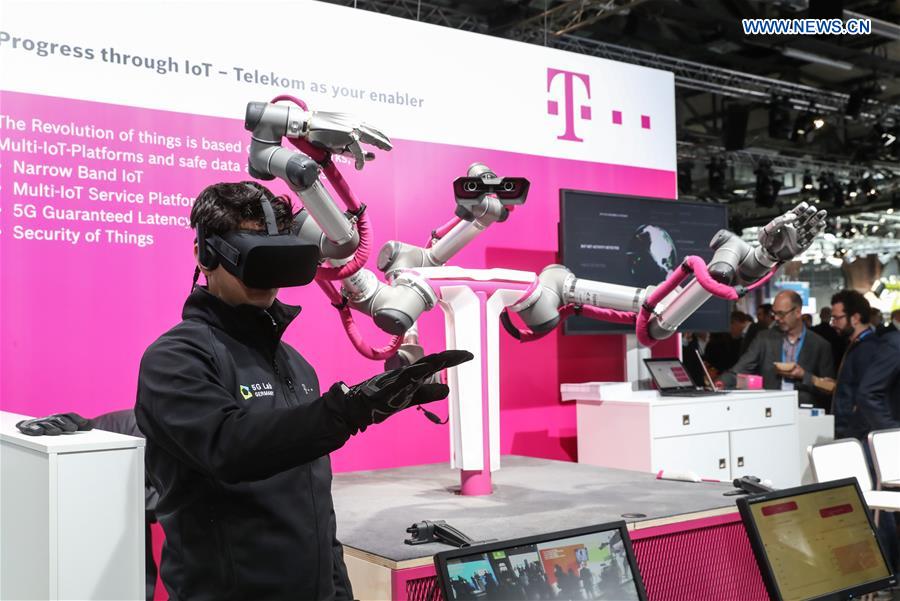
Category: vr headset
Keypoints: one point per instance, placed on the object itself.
(260, 259)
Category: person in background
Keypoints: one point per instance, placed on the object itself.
(724, 348)
(876, 318)
(764, 321)
(807, 319)
(692, 344)
(850, 313)
(790, 342)
(893, 326)
(878, 397)
(878, 403)
(825, 330)
(765, 316)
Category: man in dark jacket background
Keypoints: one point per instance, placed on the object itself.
(879, 391)
(238, 434)
(850, 313)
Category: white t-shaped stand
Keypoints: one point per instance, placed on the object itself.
(472, 300)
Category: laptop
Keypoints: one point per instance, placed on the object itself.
(596, 562)
(673, 379)
(816, 542)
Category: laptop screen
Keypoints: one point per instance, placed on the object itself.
(669, 374)
(815, 542)
(588, 563)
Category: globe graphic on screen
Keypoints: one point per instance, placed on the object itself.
(652, 255)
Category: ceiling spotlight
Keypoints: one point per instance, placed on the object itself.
(852, 189)
(807, 180)
(818, 122)
(802, 125)
(826, 187)
(767, 184)
(838, 193)
(869, 188)
(779, 118)
(716, 169)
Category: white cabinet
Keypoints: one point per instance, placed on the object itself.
(705, 454)
(719, 437)
(71, 515)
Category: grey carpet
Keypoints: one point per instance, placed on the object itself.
(531, 496)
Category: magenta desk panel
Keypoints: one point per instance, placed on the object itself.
(701, 559)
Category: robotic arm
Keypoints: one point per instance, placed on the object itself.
(482, 199)
(658, 311)
(343, 237)
(319, 134)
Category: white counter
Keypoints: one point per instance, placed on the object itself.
(71, 515)
(719, 437)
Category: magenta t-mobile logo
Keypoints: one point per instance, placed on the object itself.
(584, 111)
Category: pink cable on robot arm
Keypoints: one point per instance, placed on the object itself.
(698, 266)
(442, 231)
(350, 327)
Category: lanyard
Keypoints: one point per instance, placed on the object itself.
(799, 346)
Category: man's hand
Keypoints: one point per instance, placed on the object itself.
(790, 234)
(376, 399)
(343, 134)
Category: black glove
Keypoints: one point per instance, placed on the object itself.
(54, 425)
(376, 399)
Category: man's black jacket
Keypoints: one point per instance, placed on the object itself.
(879, 391)
(237, 446)
(848, 420)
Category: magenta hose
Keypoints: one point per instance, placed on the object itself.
(442, 231)
(350, 327)
(690, 264)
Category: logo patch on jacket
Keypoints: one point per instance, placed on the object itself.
(257, 390)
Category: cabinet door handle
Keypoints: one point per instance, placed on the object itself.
(686, 420)
(740, 462)
(768, 412)
(722, 464)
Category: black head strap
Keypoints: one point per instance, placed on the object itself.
(268, 211)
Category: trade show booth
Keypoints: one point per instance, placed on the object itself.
(490, 230)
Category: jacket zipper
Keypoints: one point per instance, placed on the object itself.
(287, 379)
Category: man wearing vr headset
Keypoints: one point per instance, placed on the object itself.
(238, 434)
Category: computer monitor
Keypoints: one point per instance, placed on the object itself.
(638, 242)
(816, 542)
(596, 562)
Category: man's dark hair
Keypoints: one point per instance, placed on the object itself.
(767, 307)
(825, 314)
(853, 302)
(223, 207)
(740, 316)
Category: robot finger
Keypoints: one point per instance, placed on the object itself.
(370, 135)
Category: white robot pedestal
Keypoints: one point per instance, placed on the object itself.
(472, 300)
